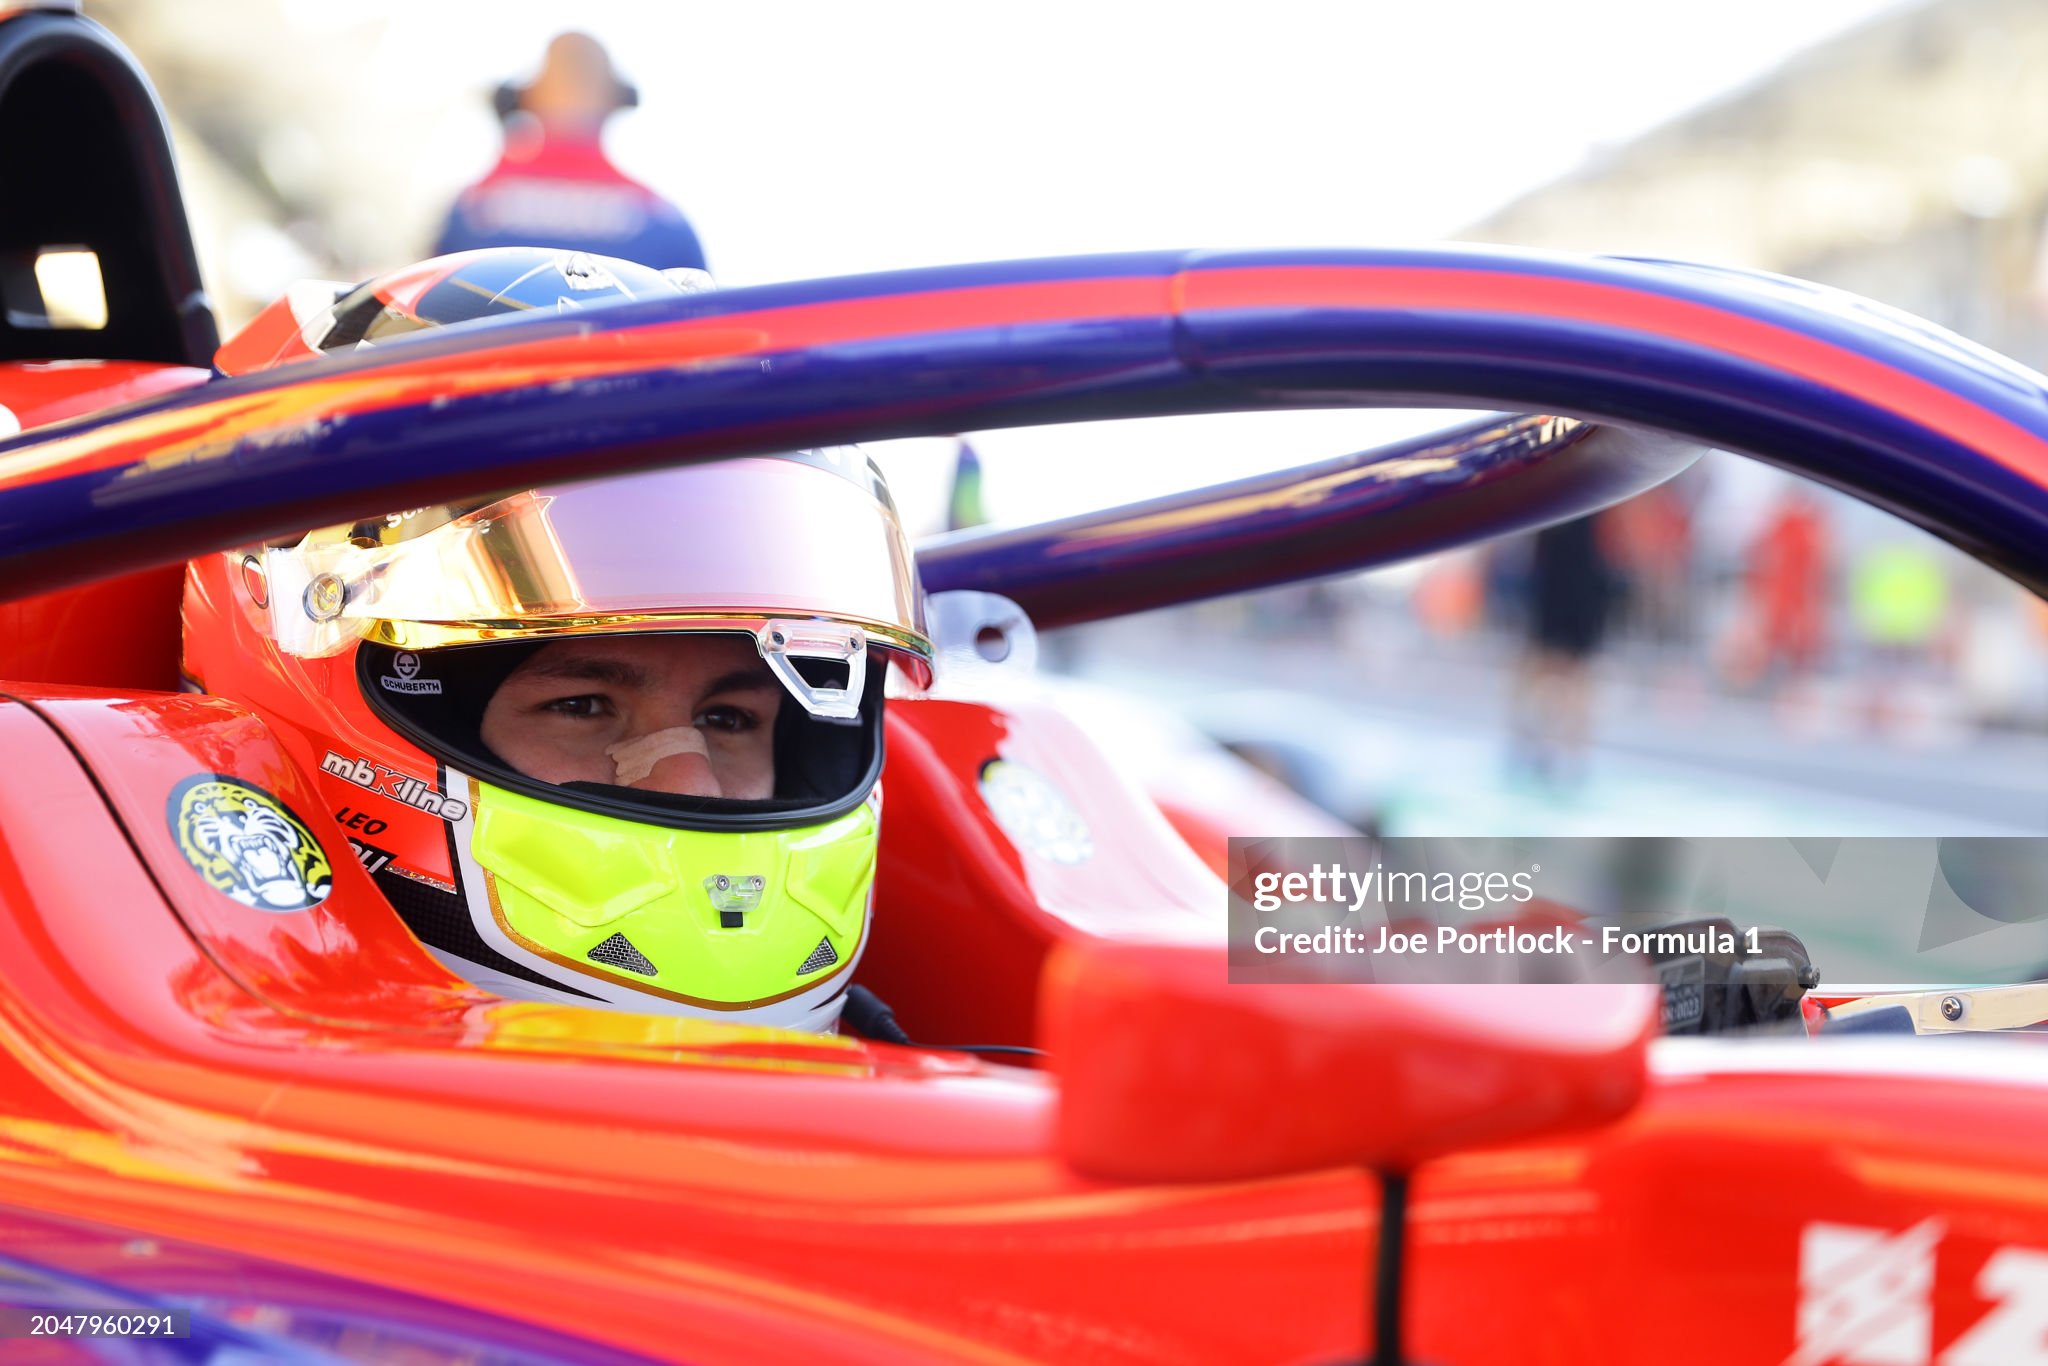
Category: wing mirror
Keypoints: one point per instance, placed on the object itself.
(1168, 1072)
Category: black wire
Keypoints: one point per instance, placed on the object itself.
(866, 1015)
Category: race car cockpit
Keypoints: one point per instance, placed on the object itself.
(92, 194)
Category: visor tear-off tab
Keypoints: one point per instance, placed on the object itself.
(782, 643)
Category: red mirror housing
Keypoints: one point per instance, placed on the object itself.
(1168, 1072)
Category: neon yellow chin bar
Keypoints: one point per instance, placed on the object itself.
(714, 919)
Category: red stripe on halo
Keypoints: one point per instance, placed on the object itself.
(210, 430)
(1836, 367)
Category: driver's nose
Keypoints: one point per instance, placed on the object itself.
(681, 775)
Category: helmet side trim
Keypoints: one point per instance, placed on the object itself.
(440, 920)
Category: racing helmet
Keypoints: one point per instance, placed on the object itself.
(465, 289)
(611, 743)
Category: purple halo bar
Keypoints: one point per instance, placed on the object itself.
(1897, 412)
(1482, 479)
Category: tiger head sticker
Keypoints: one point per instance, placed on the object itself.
(248, 844)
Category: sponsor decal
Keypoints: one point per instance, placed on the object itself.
(1866, 1295)
(406, 666)
(1036, 815)
(389, 782)
(556, 208)
(248, 844)
(427, 879)
(370, 856)
(1866, 1298)
(351, 819)
(1685, 992)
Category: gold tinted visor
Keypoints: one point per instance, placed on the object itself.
(713, 546)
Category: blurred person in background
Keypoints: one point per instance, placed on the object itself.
(1899, 601)
(1652, 535)
(1783, 630)
(1506, 574)
(965, 504)
(1450, 597)
(1572, 586)
(554, 186)
(1998, 648)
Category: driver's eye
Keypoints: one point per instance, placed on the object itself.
(729, 719)
(584, 705)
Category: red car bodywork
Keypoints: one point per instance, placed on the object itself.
(1192, 1177)
(316, 1089)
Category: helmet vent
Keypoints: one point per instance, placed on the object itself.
(618, 952)
(823, 956)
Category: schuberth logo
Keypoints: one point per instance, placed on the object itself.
(389, 782)
(408, 678)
